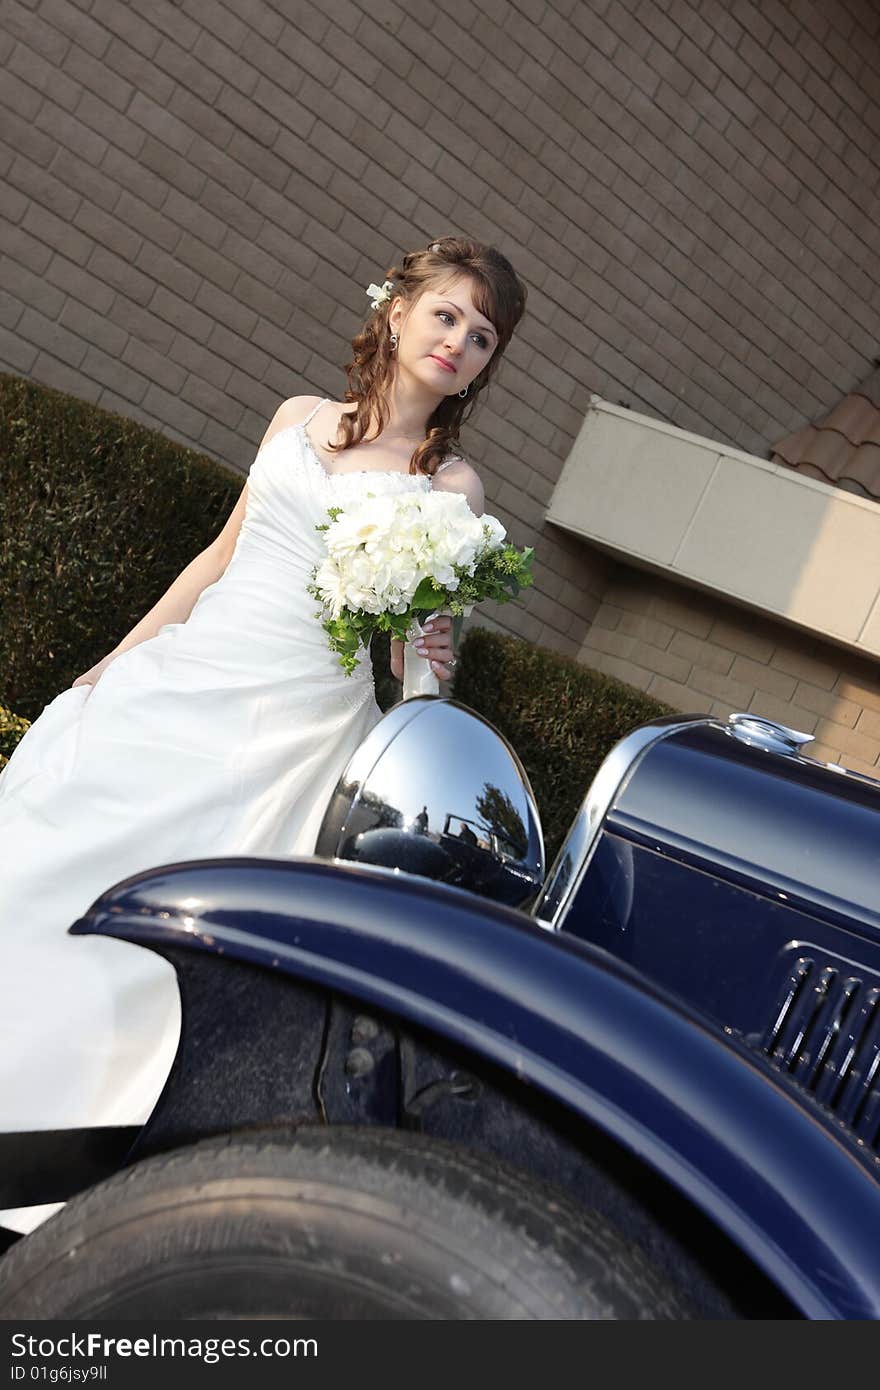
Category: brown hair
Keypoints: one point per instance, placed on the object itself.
(498, 293)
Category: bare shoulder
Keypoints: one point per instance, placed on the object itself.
(457, 475)
(291, 412)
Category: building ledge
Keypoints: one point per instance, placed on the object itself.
(725, 521)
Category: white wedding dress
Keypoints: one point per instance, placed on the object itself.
(223, 735)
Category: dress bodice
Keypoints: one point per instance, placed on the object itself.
(263, 591)
(290, 491)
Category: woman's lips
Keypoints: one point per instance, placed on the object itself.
(443, 363)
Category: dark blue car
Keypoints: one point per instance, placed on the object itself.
(418, 1077)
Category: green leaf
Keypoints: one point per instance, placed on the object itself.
(428, 596)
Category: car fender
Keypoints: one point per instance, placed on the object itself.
(560, 1015)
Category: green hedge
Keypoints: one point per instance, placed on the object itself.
(11, 730)
(98, 514)
(561, 717)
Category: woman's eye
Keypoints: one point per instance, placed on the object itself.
(479, 337)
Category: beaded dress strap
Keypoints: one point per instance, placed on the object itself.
(315, 410)
(456, 458)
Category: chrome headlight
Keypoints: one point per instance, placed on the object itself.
(435, 790)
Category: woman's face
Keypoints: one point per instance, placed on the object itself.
(444, 341)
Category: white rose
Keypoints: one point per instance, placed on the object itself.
(381, 549)
(496, 532)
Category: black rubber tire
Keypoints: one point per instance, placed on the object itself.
(326, 1223)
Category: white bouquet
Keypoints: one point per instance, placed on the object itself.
(391, 558)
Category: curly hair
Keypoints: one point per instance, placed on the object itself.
(498, 293)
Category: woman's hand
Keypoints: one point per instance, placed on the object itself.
(436, 645)
(94, 673)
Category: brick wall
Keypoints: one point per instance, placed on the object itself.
(702, 655)
(197, 193)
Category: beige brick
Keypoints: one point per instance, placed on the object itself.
(858, 691)
(848, 740)
(575, 596)
(54, 373)
(589, 606)
(732, 692)
(577, 630)
(637, 625)
(547, 582)
(681, 697)
(827, 703)
(661, 662)
(681, 614)
(628, 593)
(557, 642)
(805, 667)
(16, 354)
(794, 716)
(858, 765)
(868, 723)
(611, 642)
(764, 677)
(722, 710)
(563, 620)
(550, 612)
(608, 616)
(521, 623)
(701, 653)
(620, 670)
(822, 752)
(522, 507)
(741, 638)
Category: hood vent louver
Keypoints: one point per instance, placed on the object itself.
(825, 1034)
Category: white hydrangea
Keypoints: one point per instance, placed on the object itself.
(380, 550)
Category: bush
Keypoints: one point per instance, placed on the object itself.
(98, 514)
(11, 730)
(561, 717)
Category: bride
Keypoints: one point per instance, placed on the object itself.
(221, 723)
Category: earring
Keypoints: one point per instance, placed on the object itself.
(393, 341)
(464, 391)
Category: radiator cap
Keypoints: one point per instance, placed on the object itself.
(766, 733)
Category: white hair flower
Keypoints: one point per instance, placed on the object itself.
(380, 294)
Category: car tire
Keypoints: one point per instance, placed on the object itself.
(327, 1223)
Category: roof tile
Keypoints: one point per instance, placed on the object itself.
(844, 448)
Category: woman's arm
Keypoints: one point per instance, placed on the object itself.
(179, 599)
(174, 606)
(176, 603)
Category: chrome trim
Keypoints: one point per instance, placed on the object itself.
(573, 859)
(759, 732)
